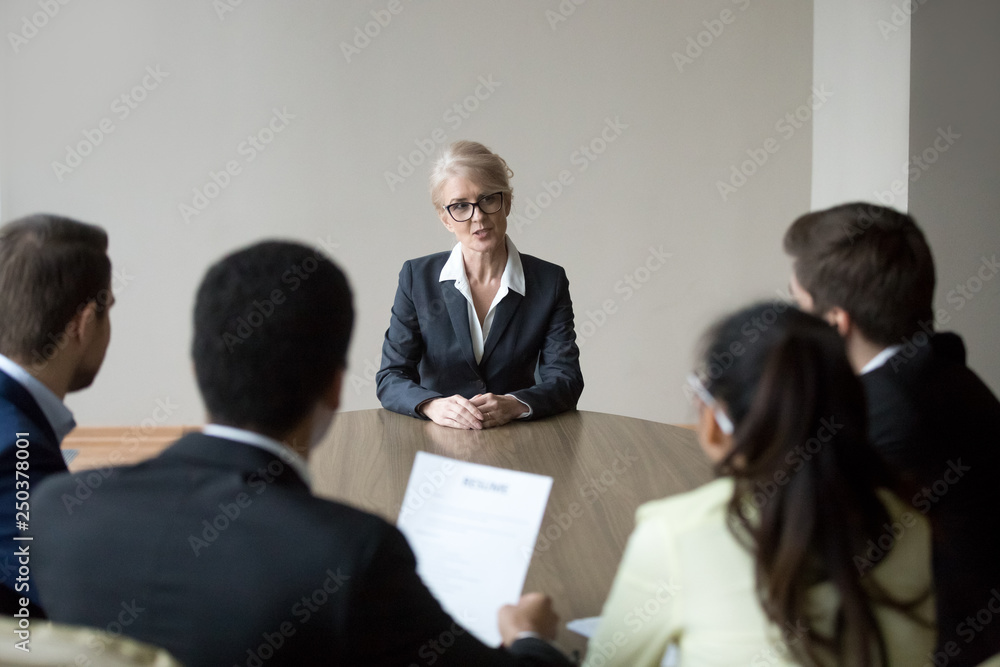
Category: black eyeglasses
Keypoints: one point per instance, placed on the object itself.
(463, 210)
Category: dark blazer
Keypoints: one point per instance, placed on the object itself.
(937, 425)
(217, 551)
(20, 413)
(428, 347)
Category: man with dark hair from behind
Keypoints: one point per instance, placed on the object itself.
(869, 272)
(55, 292)
(217, 550)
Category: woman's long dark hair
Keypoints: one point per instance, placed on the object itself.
(805, 501)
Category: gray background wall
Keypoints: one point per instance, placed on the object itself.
(688, 115)
(955, 193)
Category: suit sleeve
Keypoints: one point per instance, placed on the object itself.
(45, 460)
(397, 382)
(397, 621)
(560, 378)
(898, 430)
(45, 456)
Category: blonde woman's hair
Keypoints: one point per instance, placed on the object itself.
(476, 163)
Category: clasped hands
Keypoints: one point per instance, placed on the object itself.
(479, 412)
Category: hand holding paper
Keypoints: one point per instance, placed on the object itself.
(533, 613)
(473, 530)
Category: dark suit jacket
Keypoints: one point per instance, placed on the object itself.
(217, 551)
(428, 347)
(938, 427)
(19, 413)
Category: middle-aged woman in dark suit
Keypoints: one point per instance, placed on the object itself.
(470, 327)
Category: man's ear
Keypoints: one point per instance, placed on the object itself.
(83, 326)
(331, 397)
(840, 319)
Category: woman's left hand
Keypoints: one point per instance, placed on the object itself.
(498, 409)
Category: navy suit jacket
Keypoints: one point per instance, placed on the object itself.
(20, 413)
(427, 351)
(937, 425)
(217, 551)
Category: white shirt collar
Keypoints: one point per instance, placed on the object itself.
(270, 445)
(58, 415)
(512, 279)
(513, 271)
(880, 359)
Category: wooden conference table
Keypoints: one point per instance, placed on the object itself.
(603, 467)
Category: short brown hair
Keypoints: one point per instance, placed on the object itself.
(872, 261)
(51, 267)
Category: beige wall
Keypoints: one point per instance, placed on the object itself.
(688, 117)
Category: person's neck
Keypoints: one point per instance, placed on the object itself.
(296, 440)
(56, 374)
(860, 351)
(300, 439)
(484, 267)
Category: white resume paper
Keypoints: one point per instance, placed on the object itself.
(473, 529)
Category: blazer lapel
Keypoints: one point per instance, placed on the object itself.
(458, 310)
(14, 392)
(503, 316)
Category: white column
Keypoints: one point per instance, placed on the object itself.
(861, 54)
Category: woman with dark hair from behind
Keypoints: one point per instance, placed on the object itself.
(796, 554)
